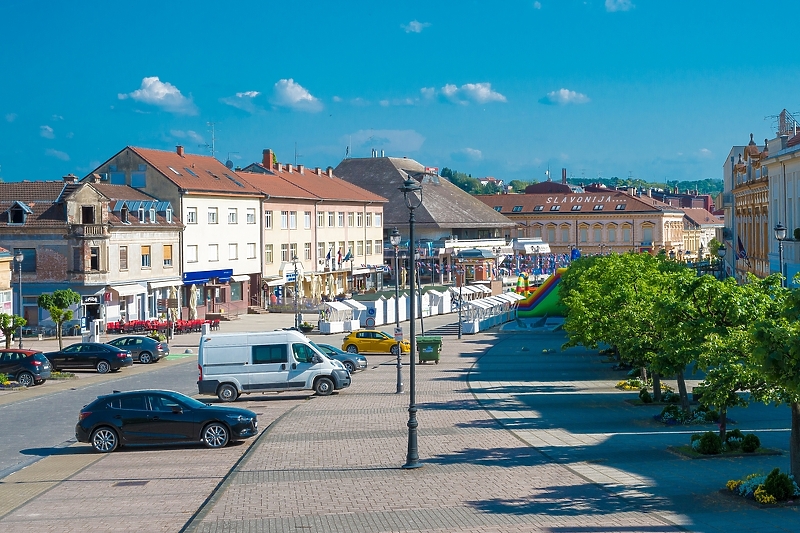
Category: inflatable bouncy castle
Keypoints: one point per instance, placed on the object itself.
(542, 300)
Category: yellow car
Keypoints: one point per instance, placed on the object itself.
(373, 341)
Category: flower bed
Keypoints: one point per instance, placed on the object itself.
(62, 375)
(767, 489)
(673, 415)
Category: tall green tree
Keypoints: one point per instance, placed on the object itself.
(9, 324)
(57, 304)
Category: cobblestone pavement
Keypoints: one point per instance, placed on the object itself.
(510, 440)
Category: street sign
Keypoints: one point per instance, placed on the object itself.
(291, 277)
(398, 334)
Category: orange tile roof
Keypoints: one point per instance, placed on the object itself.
(307, 183)
(585, 202)
(196, 173)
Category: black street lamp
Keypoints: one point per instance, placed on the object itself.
(780, 235)
(721, 253)
(412, 194)
(296, 313)
(672, 255)
(460, 280)
(394, 238)
(18, 258)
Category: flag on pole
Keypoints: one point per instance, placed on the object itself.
(741, 253)
(347, 256)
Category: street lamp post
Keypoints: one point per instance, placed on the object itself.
(296, 312)
(721, 253)
(672, 255)
(460, 280)
(18, 258)
(412, 194)
(780, 234)
(394, 238)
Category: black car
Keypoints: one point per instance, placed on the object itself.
(160, 417)
(84, 355)
(26, 367)
(144, 349)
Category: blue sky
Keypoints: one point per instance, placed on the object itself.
(653, 89)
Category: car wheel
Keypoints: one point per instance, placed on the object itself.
(104, 440)
(352, 348)
(394, 349)
(350, 366)
(25, 379)
(145, 358)
(216, 435)
(103, 367)
(323, 386)
(227, 393)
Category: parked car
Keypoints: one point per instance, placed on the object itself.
(371, 340)
(26, 367)
(144, 349)
(83, 355)
(351, 361)
(160, 417)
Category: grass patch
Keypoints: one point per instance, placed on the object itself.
(62, 375)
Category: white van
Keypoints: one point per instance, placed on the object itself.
(232, 364)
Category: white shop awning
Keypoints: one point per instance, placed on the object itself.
(129, 290)
(355, 304)
(338, 306)
(163, 284)
(240, 277)
(276, 282)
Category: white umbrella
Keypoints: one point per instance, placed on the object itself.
(193, 303)
(173, 295)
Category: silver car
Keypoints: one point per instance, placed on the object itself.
(144, 349)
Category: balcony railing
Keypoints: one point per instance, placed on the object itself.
(90, 230)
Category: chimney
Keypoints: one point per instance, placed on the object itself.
(267, 158)
(318, 171)
(179, 150)
(70, 178)
(289, 168)
(300, 168)
(330, 172)
(564, 176)
(383, 153)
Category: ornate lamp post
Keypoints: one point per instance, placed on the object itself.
(721, 253)
(780, 235)
(394, 238)
(412, 194)
(672, 255)
(296, 313)
(460, 280)
(18, 258)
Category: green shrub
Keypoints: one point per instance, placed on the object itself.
(671, 397)
(750, 443)
(733, 439)
(779, 485)
(696, 436)
(711, 416)
(710, 444)
(3, 378)
(157, 336)
(645, 396)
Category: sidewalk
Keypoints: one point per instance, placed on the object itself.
(511, 440)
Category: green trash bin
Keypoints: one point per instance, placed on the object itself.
(429, 348)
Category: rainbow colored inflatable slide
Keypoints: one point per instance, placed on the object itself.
(542, 300)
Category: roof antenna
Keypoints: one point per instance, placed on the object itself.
(212, 146)
(296, 155)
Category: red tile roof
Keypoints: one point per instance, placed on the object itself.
(585, 202)
(306, 183)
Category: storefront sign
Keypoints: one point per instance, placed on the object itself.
(93, 299)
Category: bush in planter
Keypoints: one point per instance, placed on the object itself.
(733, 439)
(750, 443)
(710, 444)
(645, 396)
(779, 485)
(671, 397)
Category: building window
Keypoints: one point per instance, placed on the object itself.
(359, 219)
(369, 247)
(77, 259)
(307, 251)
(350, 247)
(340, 219)
(213, 252)
(598, 234)
(368, 220)
(498, 208)
(284, 252)
(360, 248)
(565, 234)
(620, 207)
(268, 258)
(626, 234)
(233, 215)
(123, 258)
(141, 215)
(293, 220)
(212, 215)
(537, 232)
(267, 219)
(169, 215)
(284, 219)
(538, 208)
(94, 258)
(583, 234)
(378, 247)
(153, 215)
(351, 219)
(236, 291)
(647, 235)
(87, 214)
(251, 215)
(233, 251)
(293, 250)
(612, 234)
(576, 207)
(146, 257)
(191, 253)
(307, 219)
(251, 250)
(598, 207)
(377, 220)
(320, 250)
(551, 234)
(516, 209)
(167, 255)
(191, 215)
(321, 219)
(123, 215)
(555, 208)
(331, 219)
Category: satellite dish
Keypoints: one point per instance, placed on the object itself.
(229, 164)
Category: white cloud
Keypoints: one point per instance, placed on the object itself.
(162, 94)
(705, 152)
(537, 5)
(468, 154)
(480, 93)
(57, 154)
(70, 135)
(393, 141)
(243, 101)
(564, 97)
(619, 5)
(47, 132)
(287, 93)
(398, 102)
(57, 117)
(337, 99)
(11, 117)
(415, 26)
(189, 134)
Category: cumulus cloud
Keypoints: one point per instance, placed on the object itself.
(415, 26)
(337, 99)
(705, 152)
(537, 5)
(189, 134)
(58, 117)
(398, 102)
(564, 97)
(393, 141)
(619, 5)
(287, 93)
(480, 93)
(47, 132)
(161, 94)
(467, 154)
(11, 117)
(243, 101)
(58, 154)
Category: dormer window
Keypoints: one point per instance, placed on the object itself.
(87, 214)
(141, 215)
(18, 213)
(516, 209)
(123, 215)
(169, 215)
(620, 207)
(152, 215)
(576, 207)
